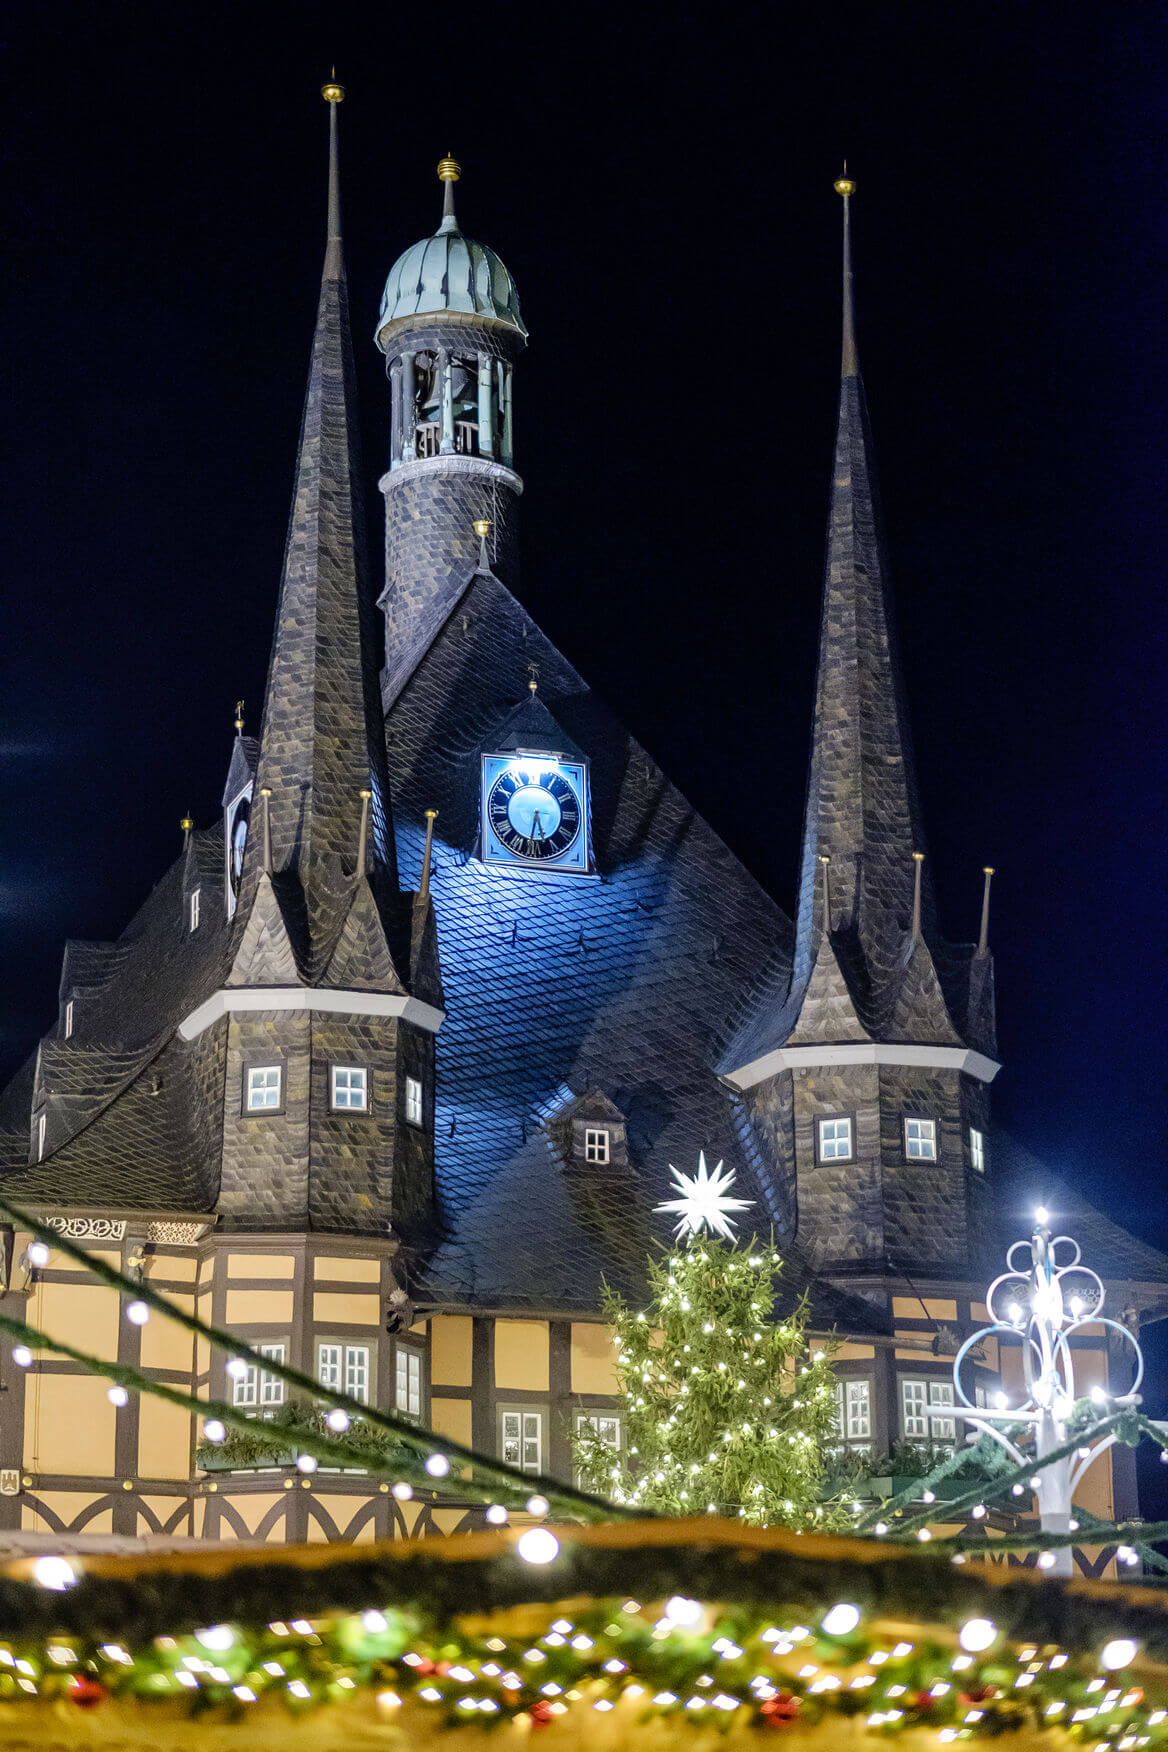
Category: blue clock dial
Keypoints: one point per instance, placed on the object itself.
(533, 811)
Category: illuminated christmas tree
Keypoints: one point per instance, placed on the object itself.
(724, 1409)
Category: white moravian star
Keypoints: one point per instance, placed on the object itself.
(704, 1202)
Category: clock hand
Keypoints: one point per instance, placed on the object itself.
(536, 826)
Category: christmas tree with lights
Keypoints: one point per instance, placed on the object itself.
(724, 1410)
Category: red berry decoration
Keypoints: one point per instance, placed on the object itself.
(778, 1711)
(979, 1693)
(541, 1713)
(86, 1693)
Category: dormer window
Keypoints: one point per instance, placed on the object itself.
(596, 1145)
(69, 1020)
(193, 915)
(414, 1111)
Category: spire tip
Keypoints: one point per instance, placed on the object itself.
(331, 91)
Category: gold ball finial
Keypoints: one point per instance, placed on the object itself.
(825, 857)
(239, 717)
(844, 185)
(365, 795)
(918, 857)
(449, 169)
(265, 790)
(430, 814)
(332, 91)
(987, 869)
(482, 527)
(187, 824)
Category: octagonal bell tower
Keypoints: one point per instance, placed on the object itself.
(451, 331)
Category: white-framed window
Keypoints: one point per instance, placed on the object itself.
(413, 1101)
(344, 1368)
(605, 1424)
(255, 1386)
(193, 923)
(920, 1139)
(835, 1139)
(407, 1381)
(349, 1088)
(853, 1413)
(977, 1150)
(40, 1135)
(521, 1438)
(596, 1145)
(926, 1411)
(264, 1084)
(69, 1019)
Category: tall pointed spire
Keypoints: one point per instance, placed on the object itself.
(449, 171)
(323, 740)
(861, 795)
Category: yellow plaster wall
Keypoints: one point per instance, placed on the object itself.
(521, 1354)
(69, 1426)
(262, 1307)
(451, 1350)
(164, 1440)
(916, 1308)
(85, 1315)
(175, 1268)
(347, 1271)
(338, 1308)
(592, 1358)
(450, 1417)
(68, 1505)
(844, 1353)
(166, 1344)
(261, 1265)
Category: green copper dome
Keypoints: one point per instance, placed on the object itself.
(449, 272)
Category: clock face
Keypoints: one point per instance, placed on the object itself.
(535, 812)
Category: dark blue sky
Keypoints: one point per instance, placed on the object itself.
(662, 194)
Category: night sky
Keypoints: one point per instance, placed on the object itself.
(662, 193)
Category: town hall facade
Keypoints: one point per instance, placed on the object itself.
(388, 1073)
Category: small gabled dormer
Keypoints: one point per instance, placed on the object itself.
(593, 1134)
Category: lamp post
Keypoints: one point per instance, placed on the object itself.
(1043, 1304)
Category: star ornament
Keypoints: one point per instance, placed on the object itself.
(704, 1202)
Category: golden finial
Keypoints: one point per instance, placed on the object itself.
(331, 91)
(449, 169)
(265, 790)
(187, 824)
(987, 869)
(430, 814)
(825, 857)
(845, 185)
(918, 857)
(482, 527)
(365, 795)
(239, 717)
(533, 681)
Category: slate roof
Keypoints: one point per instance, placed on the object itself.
(1021, 1181)
(862, 808)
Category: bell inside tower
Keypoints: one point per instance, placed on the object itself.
(450, 403)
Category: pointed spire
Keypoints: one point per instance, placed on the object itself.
(449, 171)
(424, 886)
(918, 860)
(239, 717)
(482, 528)
(323, 734)
(334, 260)
(861, 796)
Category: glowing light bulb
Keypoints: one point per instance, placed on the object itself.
(1120, 1653)
(403, 1492)
(215, 1430)
(117, 1395)
(680, 1610)
(56, 1573)
(437, 1466)
(497, 1515)
(216, 1637)
(306, 1462)
(236, 1368)
(538, 1545)
(1041, 1214)
(841, 1620)
(38, 1253)
(337, 1420)
(21, 1356)
(137, 1313)
(977, 1634)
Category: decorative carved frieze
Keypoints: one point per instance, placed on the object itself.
(176, 1234)
(88, 1228)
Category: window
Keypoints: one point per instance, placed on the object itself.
(853, 1414)
(414, 1100)
(920, 1140)
(264, 1088)
(194, 918)
(927, 1411)
(69, 1019)
(835, 1140)
(41, 1138)
(596, 1146)
(521, 1439)
(606, 1424)
(977, 1150)
(408, 1381)
(349, 1088)
(344, 1368)
(255, 1387)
